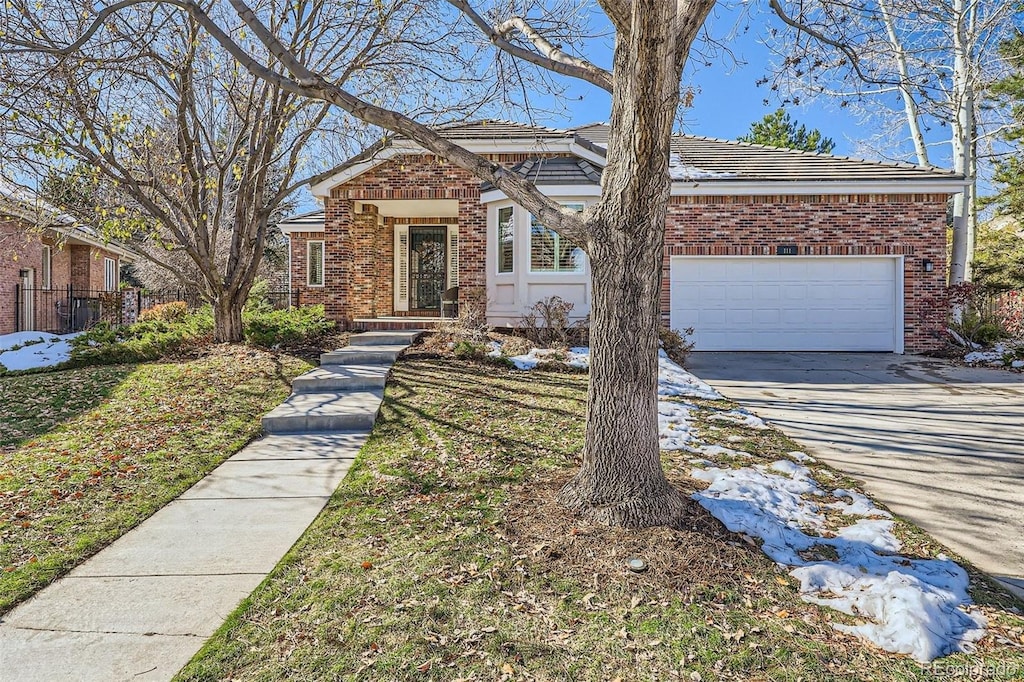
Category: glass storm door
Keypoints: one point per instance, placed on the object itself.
(427, 261)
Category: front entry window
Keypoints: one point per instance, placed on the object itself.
(428, 257)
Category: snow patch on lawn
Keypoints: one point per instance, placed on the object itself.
(999, 355)
(859, 505)
(717, 451)
(740, 417)
(674, 425)
(801, 457)
(43, 350)
(912, 606)
(575, 357)
(673, 380)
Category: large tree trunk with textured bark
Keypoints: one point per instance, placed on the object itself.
(227, 318)
(621, 481)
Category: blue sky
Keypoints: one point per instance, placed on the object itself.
(728, 99)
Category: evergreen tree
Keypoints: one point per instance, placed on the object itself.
(779, 130)
(1009, 92)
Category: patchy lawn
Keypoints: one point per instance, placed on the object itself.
(33, 404)
(443, 557)
(89, 453)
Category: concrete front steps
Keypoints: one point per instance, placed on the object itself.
(343, 394)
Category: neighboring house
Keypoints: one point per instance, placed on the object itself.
(54, 272)
(766, 249)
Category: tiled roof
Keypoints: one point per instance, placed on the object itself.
(310, 218)
(311, 221)
(558, 170)
(709, 161)
(728, 160)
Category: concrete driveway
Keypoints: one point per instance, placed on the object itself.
(941, 445)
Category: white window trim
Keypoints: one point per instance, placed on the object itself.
(497, 239)
(47, 268)
(110, 274)
(323, 263)
(558, 238)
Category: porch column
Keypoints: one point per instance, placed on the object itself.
(472, 252)
(368, 264)
(338, 260)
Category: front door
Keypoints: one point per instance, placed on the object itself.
(428, 258)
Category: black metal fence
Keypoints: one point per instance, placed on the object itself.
(68, 309)
(65, 310)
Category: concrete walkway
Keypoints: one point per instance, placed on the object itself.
(940, 444)
(142, 607)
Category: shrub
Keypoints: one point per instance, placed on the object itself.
(165, 312)
(467, 350)
(546, 324)
(963, 315)
(677, 345)
(143, 341)
(1010, 310)
(259, 297)
(470, 326)
(267, 328)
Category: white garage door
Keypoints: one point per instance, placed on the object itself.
(788, 303)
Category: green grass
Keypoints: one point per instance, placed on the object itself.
(33, 404)
(442, 556)
(91, 452)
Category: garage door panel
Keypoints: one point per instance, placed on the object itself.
(778, 303)
(739, 317)
(824, 271)
(764, 269)
(740, 292)
(708, 318)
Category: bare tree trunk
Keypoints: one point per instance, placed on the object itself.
(621, 481)
(963, 137)
(227, 318)
(910, 108)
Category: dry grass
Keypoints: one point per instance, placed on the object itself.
(108, 446)
(442, 556)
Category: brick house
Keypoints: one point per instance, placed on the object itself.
(766, 249)
(43, 256)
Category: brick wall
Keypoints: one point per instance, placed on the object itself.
(359, 261)
(913, 226)
(307, 295)
(19, 249)
(87, 266)
(360, 248)
(61, 268)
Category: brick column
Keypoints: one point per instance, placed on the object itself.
(366, 264)
(472, 251)
(384, 293)
(338, 260)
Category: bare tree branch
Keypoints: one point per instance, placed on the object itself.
(547, 56)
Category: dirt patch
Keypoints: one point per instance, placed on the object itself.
(703, 555)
